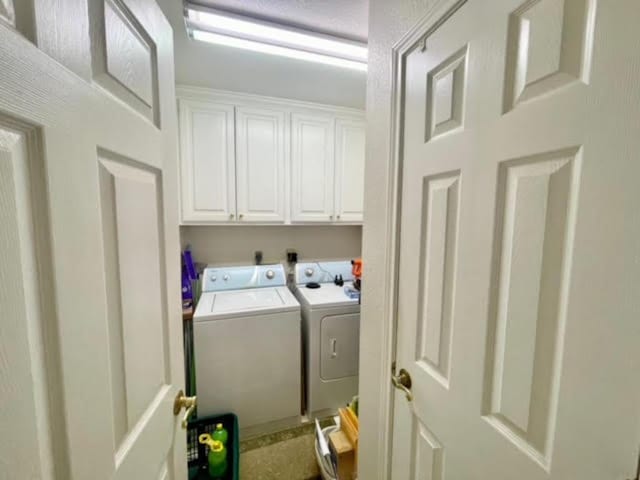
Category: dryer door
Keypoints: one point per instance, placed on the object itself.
(339, 346)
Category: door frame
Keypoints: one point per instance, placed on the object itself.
(376, 451)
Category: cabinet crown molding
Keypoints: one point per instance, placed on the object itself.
(187, 92)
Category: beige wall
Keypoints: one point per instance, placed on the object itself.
(236, 244)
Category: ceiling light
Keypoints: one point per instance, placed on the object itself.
(226, 29)
(276, 50)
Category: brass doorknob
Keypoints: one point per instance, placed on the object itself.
(182, 401)
(402, 381)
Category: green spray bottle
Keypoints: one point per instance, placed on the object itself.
(217, 456)
(220, 434)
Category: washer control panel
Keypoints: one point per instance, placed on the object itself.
(215, 279)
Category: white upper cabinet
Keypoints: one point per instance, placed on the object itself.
(250, 159)
(207, 162)
(349, 170)
(260, 164)
(312, 167)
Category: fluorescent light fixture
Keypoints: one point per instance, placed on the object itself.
(276, 50)
(226, 29)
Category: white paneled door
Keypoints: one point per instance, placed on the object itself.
(260, 164)
(207, 147)
(349, 170)
(312, 167)
(90, 320)
(519, 230)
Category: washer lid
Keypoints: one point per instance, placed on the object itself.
(234, 303)
(328, 295)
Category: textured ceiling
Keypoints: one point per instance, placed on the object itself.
(342, 18)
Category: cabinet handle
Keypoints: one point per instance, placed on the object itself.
(231, 216)
(334, 352)
(338, 217)
(241, 216)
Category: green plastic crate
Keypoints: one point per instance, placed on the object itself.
(197, 453)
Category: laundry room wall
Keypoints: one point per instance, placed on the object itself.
(237, 244)
(206, 65)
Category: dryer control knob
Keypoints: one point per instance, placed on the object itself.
(270, 274)
(213, 278)
(226, 277)
(308, 272)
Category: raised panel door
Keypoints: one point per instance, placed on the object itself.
(349, 176)
(207, 156)
(515, 318)
(260, 164)
(90, 339)
(312, 167)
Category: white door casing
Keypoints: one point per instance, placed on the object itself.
(260, 164)
(90, 339)
(516, 309)
(207, 147)
(349, 170)
(312, 167)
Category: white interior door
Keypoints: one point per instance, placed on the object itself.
(207, 159)
(312, 167)
(518, 274)
(260, 166)
(349, 178)
(90, 336)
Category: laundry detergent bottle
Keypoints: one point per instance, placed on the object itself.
(217, 456)
(220, 434)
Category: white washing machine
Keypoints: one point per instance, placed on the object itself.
(331, 336)
(246, 333)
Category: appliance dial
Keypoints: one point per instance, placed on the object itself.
(226, 277)
(213, 278)
(270, 274)
(308, 272)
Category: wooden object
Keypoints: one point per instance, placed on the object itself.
(349, 425)
(345, 453)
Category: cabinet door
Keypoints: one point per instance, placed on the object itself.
(260, 164)
(312, 138)
(207, 154)
(349, 178)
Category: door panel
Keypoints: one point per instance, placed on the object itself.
(349, 178)
(124, 58)
(428, 454)
(7, 12)
(135, 291)
(516, 201)
(312, 151)
(92, 192)
(437, 262)
(207, 134)
(26, 371)
(536, 203)
(261, 162)
(339, 346)
(550, 44)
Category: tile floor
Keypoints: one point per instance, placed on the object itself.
(285, 455)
